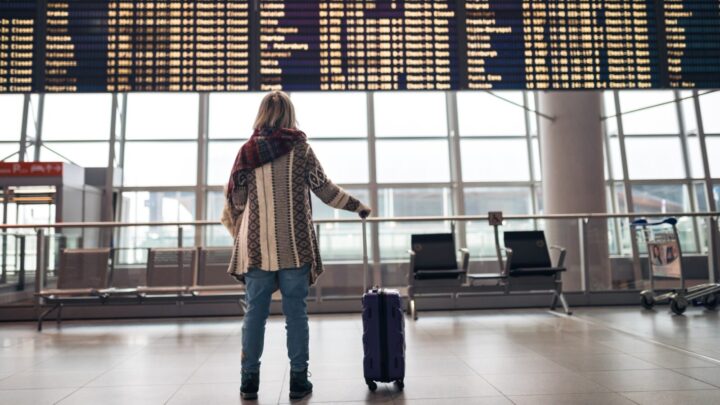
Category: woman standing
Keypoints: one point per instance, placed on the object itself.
(269, 214)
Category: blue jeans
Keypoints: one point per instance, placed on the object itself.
(259, 287)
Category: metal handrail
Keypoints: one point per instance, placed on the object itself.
(374, 219)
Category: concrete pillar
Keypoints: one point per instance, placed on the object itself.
(574, 182)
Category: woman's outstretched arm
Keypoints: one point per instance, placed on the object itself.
(327, 191)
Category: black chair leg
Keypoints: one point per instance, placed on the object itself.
(59, 315)
(553, 305)
(43, 315)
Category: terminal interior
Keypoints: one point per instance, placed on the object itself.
(140, 187)
(544, 180)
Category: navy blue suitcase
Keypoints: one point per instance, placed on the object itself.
(383, 334)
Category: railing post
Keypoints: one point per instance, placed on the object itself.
(584, 268)
(713, 254)
(3, 270)
(180, 237)
(21, 273)
(39, 264)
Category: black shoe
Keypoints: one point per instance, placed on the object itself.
(300, 387)
(250, 385)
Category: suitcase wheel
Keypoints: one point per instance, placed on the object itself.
(371, 385)
(400, 384)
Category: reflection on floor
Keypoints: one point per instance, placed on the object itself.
(600, 356)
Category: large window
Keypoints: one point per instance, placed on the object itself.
(394, 150)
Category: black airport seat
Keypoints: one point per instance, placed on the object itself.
(530, 255)
(433, 257)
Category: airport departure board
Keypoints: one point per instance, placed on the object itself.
(246, 45)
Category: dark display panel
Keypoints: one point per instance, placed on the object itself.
(241, 45)
(96, 46)
(17, 47)
(552, 44)
(358, 45)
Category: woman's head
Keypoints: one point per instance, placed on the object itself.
(276, 111)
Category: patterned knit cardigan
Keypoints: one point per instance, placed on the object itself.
(274, 229)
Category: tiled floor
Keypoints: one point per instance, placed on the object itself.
(599, 356)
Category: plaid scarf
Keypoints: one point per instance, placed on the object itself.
(263, 147)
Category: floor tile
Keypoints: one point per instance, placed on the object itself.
(339, 391)
(645, 380)
(145, 376)
(222, 394)
(675, 397)
(671, 359)
(707, 375)
(34, 396)
(47, 379)
(136, 395)
(542, 383)
(497, 400)
(603, 362)
(436, 366)
(598, 398)
(446, 387)
(514, 365)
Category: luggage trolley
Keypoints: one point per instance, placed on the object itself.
(665, 261)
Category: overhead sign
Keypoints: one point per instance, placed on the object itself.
(31, 169)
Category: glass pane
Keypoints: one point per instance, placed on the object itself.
(11, 111)
(7, 149)
(654, 158)
(343, 161)
(716, 194)
(700, 197)
(656, 120)
(495, 160)
(160, 164)
(340, 241)
(162, 116)
(410, 114)
(221, 157)
(395, 236)
(609, 112)
(216, 235)
(688, 109)
(533, 122)
(713, 151)
(667, 198)
(77, 116)
(615, 158)
(537, 159)
(480, 201)
(83, 154)
(162, 206)
(232, 115)
(695, 158)
(484, 114)
(709, 107)
(413, 161)
(331, 114)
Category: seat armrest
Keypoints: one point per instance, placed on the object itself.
(561, 258)
(464, 259)
(411, 269)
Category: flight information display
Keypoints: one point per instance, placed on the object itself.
(17, 46)
(345, 45)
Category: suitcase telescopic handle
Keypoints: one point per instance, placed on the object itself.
(365, 255)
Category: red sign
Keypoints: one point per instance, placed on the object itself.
(35, 169)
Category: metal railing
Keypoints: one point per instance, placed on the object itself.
(576, 228)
